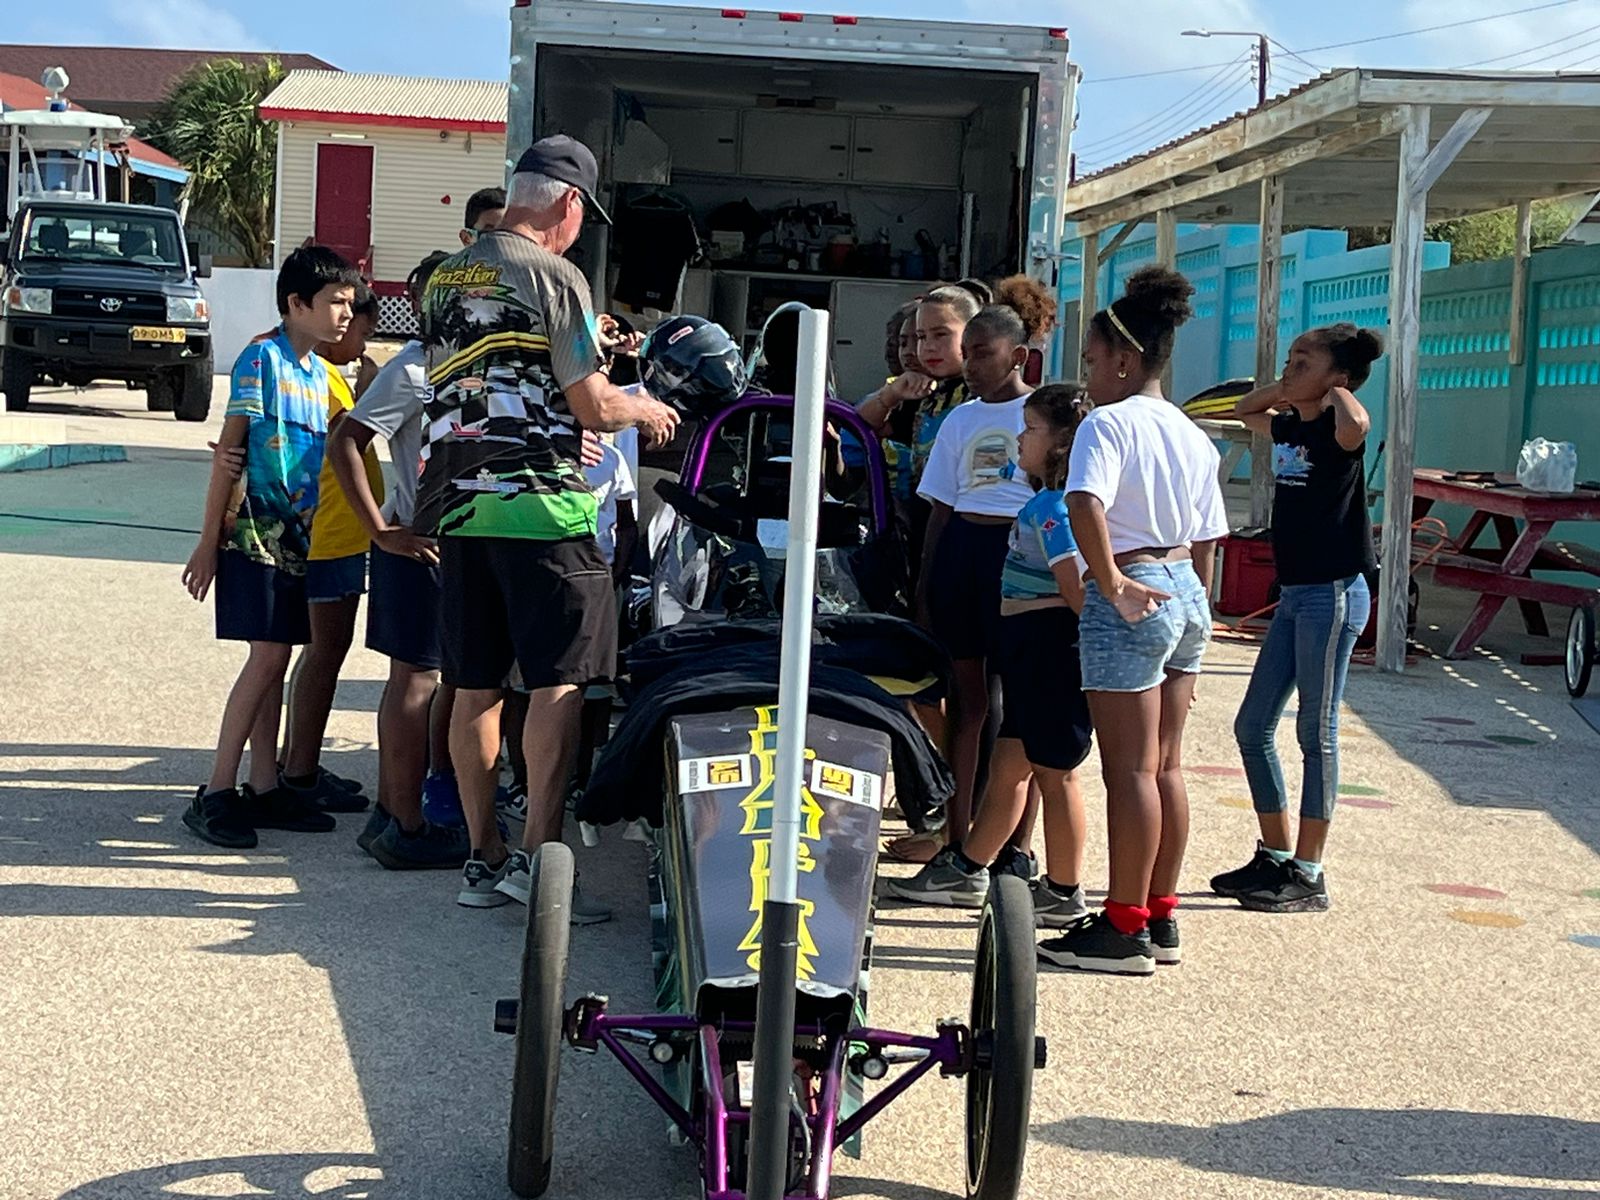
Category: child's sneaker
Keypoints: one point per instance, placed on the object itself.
(1095, 944)
(1261, 870)
(377, 822)
(518, 884)
(1053, 910)
(353, 786)
(432, 847)
(511, 802)
(480, 883)
(284, 808)
(1014, 862)
(942, 881)
(441, 801)
(1164, 941)
(324, 792)
(219, 818)
(1292, 891)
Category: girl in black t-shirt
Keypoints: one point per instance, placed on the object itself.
(1322, 544)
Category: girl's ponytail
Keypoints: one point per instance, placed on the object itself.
(1063, 407)
(1023, 311)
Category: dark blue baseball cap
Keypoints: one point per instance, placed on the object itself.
(569, 161)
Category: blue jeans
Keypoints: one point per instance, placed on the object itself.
(1119, 655)
(1307, 649)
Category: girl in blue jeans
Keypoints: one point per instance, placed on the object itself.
(1322, 544)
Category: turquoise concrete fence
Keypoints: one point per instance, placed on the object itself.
(1475, 408)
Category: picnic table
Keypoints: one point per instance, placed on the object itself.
(1505, 571)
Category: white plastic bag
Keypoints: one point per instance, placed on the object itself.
(1545, 466)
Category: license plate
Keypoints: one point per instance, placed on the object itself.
(158, 333)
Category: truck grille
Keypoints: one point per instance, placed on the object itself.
(122, 306)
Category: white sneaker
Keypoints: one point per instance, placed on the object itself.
(586, 911)
(480, 883)
(516, 883)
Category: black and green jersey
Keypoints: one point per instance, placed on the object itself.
(507, 325)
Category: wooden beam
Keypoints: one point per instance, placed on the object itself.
(1450, 145)
(1167, 256)
(1519, 283)
(1384, 125)
(1405, 329)
(1317, 103)
(1576, 92)
(1269, 289)
(1117, 239)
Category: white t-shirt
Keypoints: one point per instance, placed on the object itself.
(1153, 469)
(392, 407)
(612, 481)
(972, 466)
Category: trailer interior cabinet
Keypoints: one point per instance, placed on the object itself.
(703, 140)
(785, 144)
(906, 151)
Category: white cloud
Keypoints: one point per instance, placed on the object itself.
(185, 24)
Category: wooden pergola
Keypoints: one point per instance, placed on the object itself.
(1360, 147)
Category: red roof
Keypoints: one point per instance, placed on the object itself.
(24, 94)
(133, 75)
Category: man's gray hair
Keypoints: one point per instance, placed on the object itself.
(537, 192)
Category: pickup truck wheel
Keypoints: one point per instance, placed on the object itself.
(193, 388)
(161, 393)
(16, 379)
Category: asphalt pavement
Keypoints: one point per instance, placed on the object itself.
(296, 1022)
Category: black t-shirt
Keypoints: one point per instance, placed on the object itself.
(657, 241)
(1321, 530)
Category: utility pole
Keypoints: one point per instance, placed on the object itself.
(1263, 65)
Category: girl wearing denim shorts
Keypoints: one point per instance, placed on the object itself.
(1146, 511)
(1322, 546)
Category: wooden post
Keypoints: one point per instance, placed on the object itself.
(1089, 294)
(1167, 256)
(1405, 331)
(1269, 286)
(1519, 283)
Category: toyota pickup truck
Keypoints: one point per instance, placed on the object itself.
(92, 291)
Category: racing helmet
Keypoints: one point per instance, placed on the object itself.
(693, 365)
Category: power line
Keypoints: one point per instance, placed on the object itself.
(1154, 74)
(1386, 37)
(1179, 126)
(1578, 50)
(1526, 50)
(1295, 54)
(1107, 150)
(1162, 115)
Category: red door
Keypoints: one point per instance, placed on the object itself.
(344, 201)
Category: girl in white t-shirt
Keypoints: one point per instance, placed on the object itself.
(1146, 512)
(975, 491)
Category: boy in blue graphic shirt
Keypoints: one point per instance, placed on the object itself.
(278, 415)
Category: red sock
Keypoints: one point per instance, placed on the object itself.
(1128, 918)
(1161, 907)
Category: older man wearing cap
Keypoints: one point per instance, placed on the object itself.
(514, 360)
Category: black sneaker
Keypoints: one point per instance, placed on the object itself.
(431, 848)
(1014, 862)
(1260, 870)
(285, 808)
(324, 792)
(1095, 944)
(376, 824)
(1164, 941)
(339, 781)
(220, 818)
(1291, 891)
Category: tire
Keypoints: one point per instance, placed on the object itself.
(1580, 649)
(192, 401)
(16, 379)
(1000, 1084)
(161, 393)
(539, 1020)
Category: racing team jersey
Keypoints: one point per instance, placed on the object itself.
(506, 325)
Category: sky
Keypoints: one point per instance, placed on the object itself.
(1200, 80)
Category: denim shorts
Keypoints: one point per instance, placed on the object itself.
(1123, 656)
(330, 579)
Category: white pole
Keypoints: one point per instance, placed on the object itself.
(799, 586)
(773, 1052)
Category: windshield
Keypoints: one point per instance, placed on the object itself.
(104, 237)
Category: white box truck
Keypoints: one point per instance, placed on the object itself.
(844, 162)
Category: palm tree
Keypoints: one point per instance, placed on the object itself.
(208, 123)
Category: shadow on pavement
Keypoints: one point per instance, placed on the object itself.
(414, 978)
(1407, 1152)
